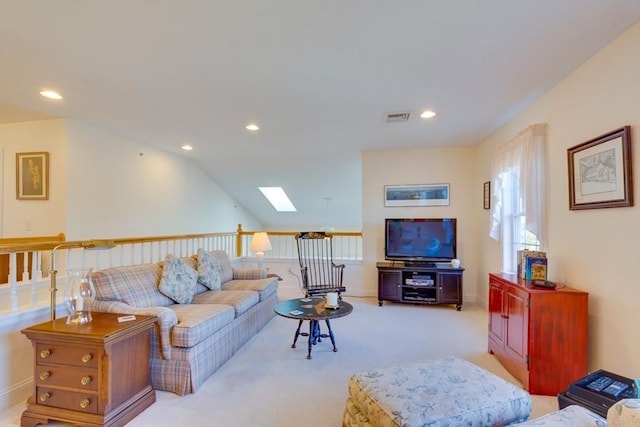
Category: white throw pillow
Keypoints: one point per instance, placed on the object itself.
(178, 280)
(208, 270)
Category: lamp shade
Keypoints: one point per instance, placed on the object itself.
(260, 242)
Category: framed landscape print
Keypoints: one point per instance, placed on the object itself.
(32, 176)
(416, 195)
(600, 172)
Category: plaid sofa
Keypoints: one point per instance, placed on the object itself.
(191, 341)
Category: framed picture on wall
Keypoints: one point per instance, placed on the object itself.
(416, 195)
(486, 195)
(32, 176)
(600, 172)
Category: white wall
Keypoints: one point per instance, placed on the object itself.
(592, 250)
(100, 186)
(453, 166)
(44, 217)
(16, 358)
(117, 187)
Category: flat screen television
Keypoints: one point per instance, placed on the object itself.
(427, 240)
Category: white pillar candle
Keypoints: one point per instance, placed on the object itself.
(332, 299)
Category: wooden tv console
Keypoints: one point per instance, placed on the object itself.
(419, 283)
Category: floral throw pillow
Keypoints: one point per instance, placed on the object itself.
(208, 270)
(178, 280)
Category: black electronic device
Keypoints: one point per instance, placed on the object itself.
(598, 392)
(420, 240)
(417, 279)
(543, 284)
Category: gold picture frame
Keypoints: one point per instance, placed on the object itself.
(600, 172)
(32, 176)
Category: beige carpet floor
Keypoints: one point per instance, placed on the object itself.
(267, 383)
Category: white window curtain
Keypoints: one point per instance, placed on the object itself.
(524, 157)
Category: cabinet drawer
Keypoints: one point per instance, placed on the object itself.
(75, 401)
(66, 376)
(67, 355)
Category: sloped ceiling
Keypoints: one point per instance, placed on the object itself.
(318, 77)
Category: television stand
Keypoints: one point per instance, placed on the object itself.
(419, 283)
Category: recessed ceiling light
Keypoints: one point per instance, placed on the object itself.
(252, 127)
(187, 147)
(50, 94)
(278, 199)
(427, 114)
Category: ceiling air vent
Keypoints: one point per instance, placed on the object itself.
(396, 117)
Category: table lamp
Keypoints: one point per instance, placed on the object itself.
(90, 245)
(260, 243)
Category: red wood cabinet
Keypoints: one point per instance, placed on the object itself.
(539, 335)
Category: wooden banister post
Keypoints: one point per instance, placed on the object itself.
(239, 241)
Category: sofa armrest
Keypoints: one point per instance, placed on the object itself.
(167, 319)
(249, 274)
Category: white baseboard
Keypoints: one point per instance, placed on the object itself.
(15, 394)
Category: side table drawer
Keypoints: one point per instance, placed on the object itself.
(66, 376)
(67, 355)
(75, 401)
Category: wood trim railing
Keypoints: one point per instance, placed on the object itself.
(18, 256)
(347, 244)
(31, 288)
(5, 241)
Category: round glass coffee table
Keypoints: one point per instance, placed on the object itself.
(312, 309)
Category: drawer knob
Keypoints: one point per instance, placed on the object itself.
(44, 375)
(86, 358)
(85, 380)
(84, 403)
(44, 397)
(45, 353)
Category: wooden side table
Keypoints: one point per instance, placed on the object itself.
(91, 375)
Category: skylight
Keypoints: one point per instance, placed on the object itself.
(278, 198)
(51, 94)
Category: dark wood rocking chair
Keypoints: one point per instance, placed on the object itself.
(319, 273)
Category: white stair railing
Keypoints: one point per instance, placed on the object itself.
(25, 291)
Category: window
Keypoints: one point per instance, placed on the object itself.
(518, 191)
(514, 233)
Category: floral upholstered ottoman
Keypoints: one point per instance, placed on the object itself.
(442, 392)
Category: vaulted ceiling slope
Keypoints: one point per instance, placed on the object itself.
(317, 77)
